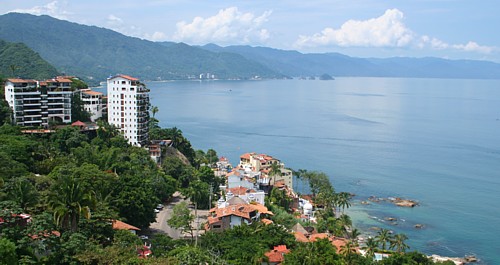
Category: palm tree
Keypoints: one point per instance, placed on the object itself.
(398, 243)
(275, 171)
(24, 193)
(154, 110)
(348, 250)
(343, 200)
(197, 193)
(344, 222)
(176, 137)
(354, 234)
(371, 247)
(69, 201)
(383, 237)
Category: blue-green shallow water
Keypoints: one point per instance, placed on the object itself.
(433, 140)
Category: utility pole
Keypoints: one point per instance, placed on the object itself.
(210, 197)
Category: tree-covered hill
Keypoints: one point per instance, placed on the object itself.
(294, 63)
(95, 53)
(17, 60)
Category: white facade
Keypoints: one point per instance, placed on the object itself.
(36, 103)
(92, 103)
(128, 102)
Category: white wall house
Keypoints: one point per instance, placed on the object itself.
(92, 103)
(128, 102)
(36, 103)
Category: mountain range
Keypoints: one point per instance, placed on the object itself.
(17, 60)
(94, 53)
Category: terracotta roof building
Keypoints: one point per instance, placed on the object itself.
(276, 256)
(119, 225)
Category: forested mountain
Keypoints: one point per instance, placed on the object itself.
(94, 53)
(294, 63)
(17, 60)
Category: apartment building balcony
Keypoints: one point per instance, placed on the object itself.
(32, 110)
(32, 104)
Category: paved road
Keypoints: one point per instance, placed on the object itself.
(161, 225)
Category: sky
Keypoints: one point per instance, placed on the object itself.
(453, 29)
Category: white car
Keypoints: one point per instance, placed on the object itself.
(157, 211)
(143, 237)
(159, 206)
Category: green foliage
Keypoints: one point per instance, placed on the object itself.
(17, 60)
(8, 254)
(78, 113)
(316, 253)
(96, 52)
(182, 218)
(246, 244)
(67, 138)
(69, 199)
(161, 245)
(23, 192)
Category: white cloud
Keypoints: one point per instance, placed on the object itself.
(436, 44)
(387, 30)
(114, 21)
(228, 26)
(157, 36)
(52, 9)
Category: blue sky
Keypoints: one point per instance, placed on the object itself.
(455, 29)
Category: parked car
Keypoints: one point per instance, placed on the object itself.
(143, 237)
(159, 206)
(157, 211)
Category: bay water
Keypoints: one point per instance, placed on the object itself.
(432, 140)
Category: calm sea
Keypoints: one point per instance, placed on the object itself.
(433, 140)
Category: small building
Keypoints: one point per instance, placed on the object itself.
(235, 212)
(276, 256)
(92, 103)
(119, 225)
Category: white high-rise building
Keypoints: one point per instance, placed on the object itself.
(37, 103)
(128, 102)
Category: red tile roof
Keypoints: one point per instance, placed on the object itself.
(19, 80)
(276, 255)
(240, 190)
(119, 225)
(129, 77)
(246, 156)
(63, 80)
(241, 210)
(266, 221)
(91, 92)
(300, 237)
(78, 123)
(339, 242)
(317, 236)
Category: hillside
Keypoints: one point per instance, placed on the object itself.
(294, 63)
(95, 53)
(17, 60)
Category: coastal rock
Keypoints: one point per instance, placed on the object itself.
(419, 226)
(405, 203)
(471, 258)
(457, 261)
(391, 219)
(365, 203)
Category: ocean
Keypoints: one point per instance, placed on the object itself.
(436, 141)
